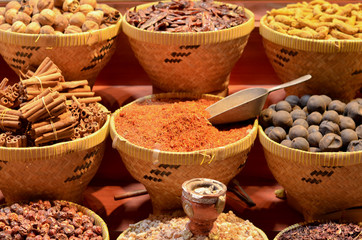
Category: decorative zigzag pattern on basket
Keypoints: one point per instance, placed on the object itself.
(22, 54)
(290, 53)
(312, 180)
(190, 47)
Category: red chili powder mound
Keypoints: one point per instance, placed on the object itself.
(175, 125)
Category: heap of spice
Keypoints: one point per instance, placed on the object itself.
(187, 16)
(175, 125)
(329, 230)
(227, 226)
(43, 109)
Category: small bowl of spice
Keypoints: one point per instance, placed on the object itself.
(313, 147)
(313, 38)
(51, 220)
(322, 230)
(166, 139)
(188, 46)
(80, 36)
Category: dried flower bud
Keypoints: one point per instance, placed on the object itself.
(2, 11)
(23, 17)
(71, 6)
(72, 29)
(60, 23)
(33, 28)
(13, 5)
(46, 30)
(18, 26)
(77, 19)
(45, 4)
(47, 17)
(96, 16)
(2, 19)
(85, 8)
(58, 3)
(35, 18)
(5, 26)
(89, 26)
(93, 3)
(10, 14)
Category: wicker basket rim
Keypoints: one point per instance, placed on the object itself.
(99, 221)
(317, 45)
(64, 40)
(189, 37)
(115, 135)
(331, 158)
(80, 143)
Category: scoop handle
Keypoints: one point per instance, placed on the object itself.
(291, 83)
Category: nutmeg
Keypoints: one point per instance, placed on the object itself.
(355, 146)
(301, 122)
(337, 106)
(298, 114)
(282, 119)
(266, 117)
(359, 131)
(45, 4)
(327, 100)
(85, 9)
(304, 100)
(277, 134)
(313, 128)
(71, 6)
(272, 106)
(283, 105)
(12, 5)
(5, 26)
(287, 143)
(316, 103)
(314, 118)
(46, 30)
(2, 11)
(300, 143)
(268, 130)
(292, 100)
(10, 14)
(96, 16)
(93, 3)
(347, 136)
(18, 27)
(329, 127)
(330, 143)
(77, 19)
(2, 19)
(298, 131)
(331, 115)
(60, 23)
(33, 28)
(346, 122)
(23, 17)
(314, 138)
(354, 111)
(46, 17)
(72, 29)
(89, 26)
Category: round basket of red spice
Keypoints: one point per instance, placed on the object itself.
(166, 139)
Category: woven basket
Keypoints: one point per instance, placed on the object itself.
(189, 62)
(79, 56)
(317, 184)
(335, 65)
(163, 172)
(59, 171)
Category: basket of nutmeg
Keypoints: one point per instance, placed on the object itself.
(79, 36)
(52, 136)
(319, 38)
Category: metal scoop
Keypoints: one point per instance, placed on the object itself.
(245, 104)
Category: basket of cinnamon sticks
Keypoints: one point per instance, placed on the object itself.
(52, 135)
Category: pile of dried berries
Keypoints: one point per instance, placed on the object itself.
(330, 230)
(47, 220)
(187, 16)
(175, 125)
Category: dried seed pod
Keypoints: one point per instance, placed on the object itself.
(287, 143)
(283, 105)
(85, 9)
(355, 146)
(330, 143)
(60, 23)
(300, 143)
(2, 11)
(314, 138)
(314, 118)
(77, 19)
(337, 106)
(12, 5)
(46, 17)
(96, 16)
(18, 27)
(298, 114)
(313, 128)
(45, 4)
(72, 29)
(304, 100)
(93, 3)
(298, 131)
(68, 15)
(23, 17)
(347, 136)
(277, 134)
(46, 30)
(71, 6)
(89, 26)
(266, 117)
(359, 131)
(346, 122)
(316, 103)
(268, 129)
(292, 100)
(301, 122)
(5, 26)
(329, 127)
(331, 115)
(33, 28)
(35, 18)
(2, 19)
(10, 14)
(282, 119)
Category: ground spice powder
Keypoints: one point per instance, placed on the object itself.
(175, 125)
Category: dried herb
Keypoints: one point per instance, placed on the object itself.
(186, 16)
